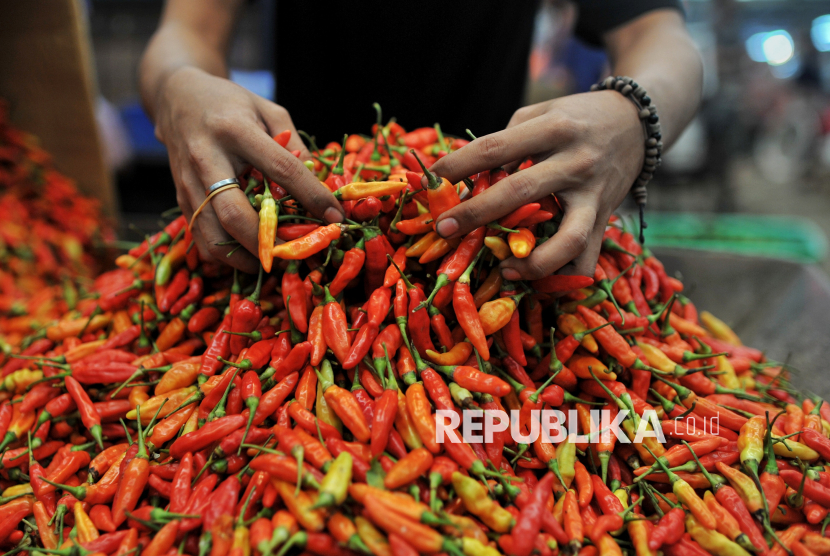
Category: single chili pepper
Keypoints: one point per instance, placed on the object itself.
(89, 416)
(314, 241)
(351, 267)
(343, 403)
(133, 480)
(441, 193)
(335, 327)
(466, 313)
(267, 233)
(219, 347)
(246, 314)
(669, 529)
(194, 293)
(176, 288)
(521, 242)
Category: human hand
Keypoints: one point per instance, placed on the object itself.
(213, 129)
(587, 149)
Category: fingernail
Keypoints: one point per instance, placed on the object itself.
(332, 216)
(510, 274)
(447, 227)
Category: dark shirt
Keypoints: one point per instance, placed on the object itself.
(462, 63)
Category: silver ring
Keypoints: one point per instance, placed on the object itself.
(222, 183)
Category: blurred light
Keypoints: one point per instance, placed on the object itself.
(778, 47)
(755, 47)
(820, 33)
(773, 47)
(788, 69)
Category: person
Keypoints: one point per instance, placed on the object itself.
(462, 63)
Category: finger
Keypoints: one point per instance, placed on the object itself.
(586, 263)
(213, 235)
(498, 200)
(229, 209)
(278, 120)
(526, 113)
(528, 138)
(278, 164)
(209, 231)
(566, 245)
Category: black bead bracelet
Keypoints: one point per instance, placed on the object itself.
(651, 127)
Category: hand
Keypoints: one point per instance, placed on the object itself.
(587, 149)
(213, 129)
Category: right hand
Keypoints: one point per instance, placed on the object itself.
(213, 130)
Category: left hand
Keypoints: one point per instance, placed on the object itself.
(587, 149)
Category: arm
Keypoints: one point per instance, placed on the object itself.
(191, 34)
(658, 52)
(213, 129)
(586, 148)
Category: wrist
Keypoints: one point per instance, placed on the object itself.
(652, 136)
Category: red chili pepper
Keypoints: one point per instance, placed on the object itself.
(219, 347)
(89, 416)
(246, 315)
(467, 314)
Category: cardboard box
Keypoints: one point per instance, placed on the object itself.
(47, 76)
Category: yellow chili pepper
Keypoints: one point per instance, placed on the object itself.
(335, 485)
(167, 402)
(17, 381)
(476, 499)
(241, 536)
(564, 461)
(751, 442)
(371, 537)
(472, 547)
(495, 315)
(324, 412)
(744, 486)
(727, 378)
(301, 506)
(658, 359)
(689, 498)
(521, 243)
(712, 541)
(719, 329)
(360, 190)
(84, 527)
(498, 247)
(268, 213)
(191, 424)
(790, 449)
(638, 531)
(25, 488)
(405, 426)
(569, 324)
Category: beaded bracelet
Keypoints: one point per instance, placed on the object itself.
(651, 127)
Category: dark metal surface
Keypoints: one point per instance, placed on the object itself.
(779, 307)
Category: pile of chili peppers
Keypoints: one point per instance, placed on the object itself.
(182, 409)
(46, 238)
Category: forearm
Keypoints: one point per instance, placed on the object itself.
(657, 52)
(186, 37)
